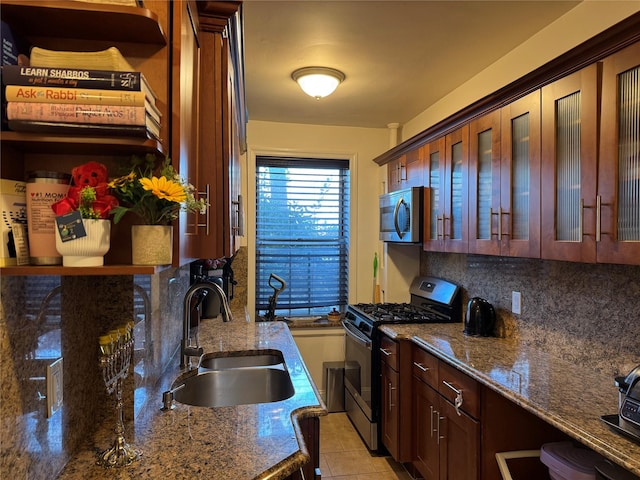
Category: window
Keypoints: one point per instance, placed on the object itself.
(302, 233)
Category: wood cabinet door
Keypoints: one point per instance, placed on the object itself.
(406, 171)
(390, 412)
(184, 121)
(519, 214)
(618, 231)
(426, 456)
(456, 217)
(484, 184)
(434, 173)
(459, 444)
(393, 174)
(413, 176)
(569, 166)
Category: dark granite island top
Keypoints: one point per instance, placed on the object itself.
(261, 441)
(568, 396)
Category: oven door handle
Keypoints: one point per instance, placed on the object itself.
(356, 335)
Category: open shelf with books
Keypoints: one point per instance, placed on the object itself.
(139, 35)
(81, 20)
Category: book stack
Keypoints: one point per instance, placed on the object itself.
(78, 93)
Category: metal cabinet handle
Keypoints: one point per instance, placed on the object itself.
(386, 352)
(421, 367)
(403, 168)
(238, 228)
(444, 226)
(581, 219)
(455, 390)
(599, 206)
(391, 389)
(438, 220)
(491, 214)
(431, 419)
(439, 437)
(459, 400)
(207, 214)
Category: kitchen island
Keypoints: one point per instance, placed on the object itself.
(570, 397)
(257, 441)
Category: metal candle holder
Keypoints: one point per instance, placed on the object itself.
(116, 351)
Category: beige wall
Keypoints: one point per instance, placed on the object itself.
(578, 25)
(399, 265)
(360, 146)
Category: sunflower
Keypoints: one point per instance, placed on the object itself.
(164, 188)
(154, 192)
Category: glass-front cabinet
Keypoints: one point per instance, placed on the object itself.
(570, 146)
(518, 217)
(617, 228)
(447, 161)
(504, 180)
(485, 233)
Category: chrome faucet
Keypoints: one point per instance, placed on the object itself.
(186, 349)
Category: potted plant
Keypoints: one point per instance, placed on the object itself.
(82, 217)
(156, 194)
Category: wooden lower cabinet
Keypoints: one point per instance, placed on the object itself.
(447, 443)
(310, 428)
(395, 383)
(460, 444)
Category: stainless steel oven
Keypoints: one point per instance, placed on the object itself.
(358, 377)
(433, 300)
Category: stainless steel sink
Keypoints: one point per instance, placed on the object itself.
(233, 386)
(211, 362)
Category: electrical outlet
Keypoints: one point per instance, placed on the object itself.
(54, 387)
(516, 303)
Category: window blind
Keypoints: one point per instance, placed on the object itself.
(302, 233)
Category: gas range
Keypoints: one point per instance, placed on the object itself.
(433, 300)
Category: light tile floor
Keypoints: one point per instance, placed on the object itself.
(344, 456)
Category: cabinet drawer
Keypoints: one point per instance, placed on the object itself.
(389, 352)
(425, 367)
(452, 381)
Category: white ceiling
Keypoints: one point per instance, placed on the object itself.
(399, 57)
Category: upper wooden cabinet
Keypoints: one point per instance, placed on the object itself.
(618, 200)
(406, 171)
(504, 180)
(519, 216)
(569, 169)
(484, 185)
(591, 187)
(186, 90)
(447, 162)
(220, 130)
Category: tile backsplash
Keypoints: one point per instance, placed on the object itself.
(587, 313)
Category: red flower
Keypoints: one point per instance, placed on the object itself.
(64, 206)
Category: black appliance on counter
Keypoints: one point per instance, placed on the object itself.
(480, 318)
(433, 300)
(627, 422)
(200, 271)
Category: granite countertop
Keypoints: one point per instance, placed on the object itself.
(568, 396)
(261, 441)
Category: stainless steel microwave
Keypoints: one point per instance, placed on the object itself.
(401, 215)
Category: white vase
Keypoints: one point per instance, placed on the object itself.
(86, 251)
(151, 244)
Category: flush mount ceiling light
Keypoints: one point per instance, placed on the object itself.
(318, 82)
